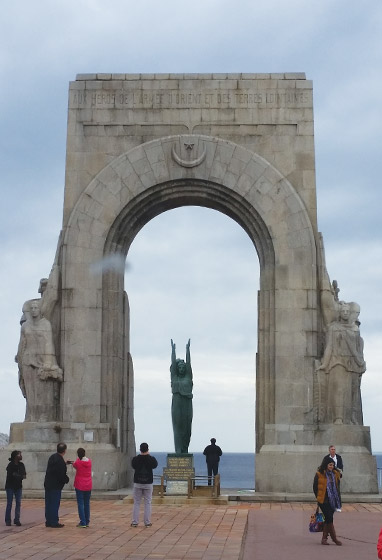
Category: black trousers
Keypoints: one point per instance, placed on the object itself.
(212, 468)
(328, 512)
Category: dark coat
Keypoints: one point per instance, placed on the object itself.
(55, 476)
(340, 465)
(15, 475)
(143, 466)
(213, 454)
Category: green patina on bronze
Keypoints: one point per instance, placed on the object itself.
(181, 408)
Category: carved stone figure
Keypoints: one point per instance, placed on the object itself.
(344, 364)
(38, 368)
(48, 289)
(181, 408)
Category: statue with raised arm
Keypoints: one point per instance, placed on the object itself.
(38, 368)
(344, 364)
(181, 408)
(48, 289)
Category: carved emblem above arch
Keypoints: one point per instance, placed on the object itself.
(189, 148)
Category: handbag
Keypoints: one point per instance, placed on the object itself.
(316, 524)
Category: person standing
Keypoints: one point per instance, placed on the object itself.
(55, 479)
(13, 487)
(326, 490)
(379, 545)
(213, 454)
(338, 463)
(143, 466)
(83, 486)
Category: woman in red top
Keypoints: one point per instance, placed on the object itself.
(83, 486)
(379, 545)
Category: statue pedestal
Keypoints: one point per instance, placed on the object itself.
(37, 441)
(288, 460)
(179, 469)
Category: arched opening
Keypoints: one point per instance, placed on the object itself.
(192, 273)
(125, 196)
(153, 202)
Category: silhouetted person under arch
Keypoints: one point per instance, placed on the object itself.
(213, 454)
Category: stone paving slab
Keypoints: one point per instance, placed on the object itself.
(178, 532)
(281, 531)
(235, 532)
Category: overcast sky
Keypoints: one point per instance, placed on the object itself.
(193, 272)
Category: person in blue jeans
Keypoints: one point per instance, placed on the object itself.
(14, 487)
(55, 479)
(83, 486)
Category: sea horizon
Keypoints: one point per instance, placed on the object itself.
(236, 469)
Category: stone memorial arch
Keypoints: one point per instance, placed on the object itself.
(242, 144)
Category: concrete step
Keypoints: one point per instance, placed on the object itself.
(184, 500)
(227, 495)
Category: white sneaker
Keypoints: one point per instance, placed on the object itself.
(339, 510)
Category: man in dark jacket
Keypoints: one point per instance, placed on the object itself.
(55, 479)
(143, 466)
(337, 459)
(213, 454)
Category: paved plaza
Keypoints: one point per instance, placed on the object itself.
(259, 531)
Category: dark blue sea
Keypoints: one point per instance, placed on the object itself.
(237, 470)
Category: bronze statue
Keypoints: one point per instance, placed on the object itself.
(181, 408)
